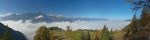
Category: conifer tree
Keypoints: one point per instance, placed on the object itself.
(82, 36)
(68, 28)
(88, 36)
(133, 26)
(85, 35)
(111, 35)
(105, 35)
(97, 35)
(144, 5)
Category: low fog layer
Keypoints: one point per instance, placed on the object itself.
(29, 28)
(28, 24)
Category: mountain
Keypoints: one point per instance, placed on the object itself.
(40, 17)
(24, 17)
(7, 33)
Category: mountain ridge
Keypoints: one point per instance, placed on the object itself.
(41, 17)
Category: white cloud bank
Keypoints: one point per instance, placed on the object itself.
(29, 29)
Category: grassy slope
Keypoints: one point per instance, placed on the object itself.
(75, 35)
(71, 35)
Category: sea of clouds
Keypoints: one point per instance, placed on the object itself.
(29, 29)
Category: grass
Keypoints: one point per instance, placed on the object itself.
(70, 35)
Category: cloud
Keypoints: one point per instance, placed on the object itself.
(29, 28)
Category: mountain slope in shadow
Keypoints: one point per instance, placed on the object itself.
(7, 33)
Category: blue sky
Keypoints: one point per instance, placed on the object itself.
(111, 9)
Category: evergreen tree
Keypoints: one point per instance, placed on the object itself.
(82, 36)
(85, 35)
(42, 34)
(145, 19)
(97, 35)
(88, 36)
(133, 27)
(68, 28)
(105, 35)
(144, 5)
(137, 28)
(111, 35)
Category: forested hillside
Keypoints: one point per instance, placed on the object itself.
(139, 28)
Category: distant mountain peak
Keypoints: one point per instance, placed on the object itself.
(10, 14)
(41, 17)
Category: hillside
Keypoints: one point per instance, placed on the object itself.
(138, 29)
(7, 33)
